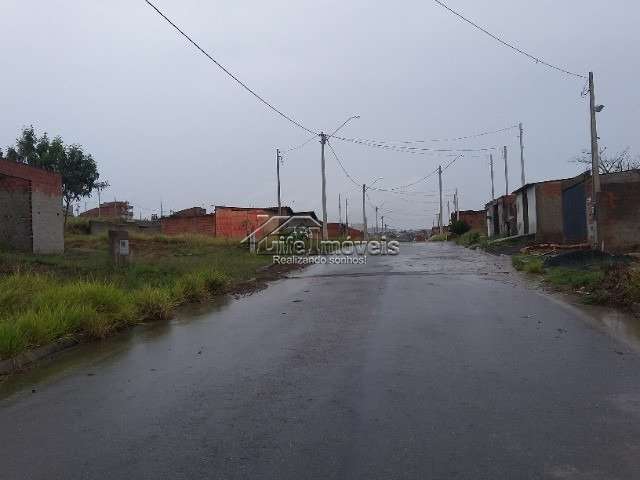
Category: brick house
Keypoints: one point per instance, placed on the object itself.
(539, 211)
(31, 217)
(501, 216)
(476, 219)
(618, 213)
(121, 210)
(340, 230)
(226, 222)
(239, 222)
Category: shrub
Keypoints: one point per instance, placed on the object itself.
(459, 227)
(191, 288)
(12, 341)
(153, 303)
(438, 238)
(215, 282)
(528, 263)
(468, 239)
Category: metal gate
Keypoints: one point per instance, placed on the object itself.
(574, 214)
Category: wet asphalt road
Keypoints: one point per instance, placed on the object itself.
(436, 364)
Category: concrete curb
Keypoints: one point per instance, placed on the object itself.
(23, 360)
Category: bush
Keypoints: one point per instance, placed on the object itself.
(153, 303)
(468, 239)
(215, 282)
(438, 238)
(459, 227)
(191, 288)
(528, 263)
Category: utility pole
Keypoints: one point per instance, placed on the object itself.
(493, 192)
(457, 206)
(377, 221)
(99, 202)
(521, 153)
(161, 211)
(278, 158)
(346, 213)
(448, 212)
(325, 232)
(364, 212)
(595, 158)
(440, 188)
(340, 208)
(382, 224)
(506, 170)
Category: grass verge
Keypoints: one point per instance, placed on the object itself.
(44, 298)
(602, 284)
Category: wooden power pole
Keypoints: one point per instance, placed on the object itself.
(278, 158)
(506, 170)
(440, 189)
(521, 155)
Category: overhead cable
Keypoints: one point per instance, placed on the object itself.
(225, 70)
(507, 44)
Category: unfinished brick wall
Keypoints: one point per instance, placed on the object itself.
(197, 225)
(476, 219)
(31, 208)
(549, 227)
(339, 230)
(15, 213)
(237, 223)
(619, 212)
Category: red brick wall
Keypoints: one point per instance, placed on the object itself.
(549, 212)
(41, 180)
(477, 220)
(200, 225)
(619, 216)
(238, 223)
(337, 230)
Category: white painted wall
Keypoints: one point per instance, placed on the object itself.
(532, 210)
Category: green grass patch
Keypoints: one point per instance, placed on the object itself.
(471, 238)
(573, 278)
(44, 298)
(528, 263)
(439, 238)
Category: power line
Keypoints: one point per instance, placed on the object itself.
(477, 135)
(506, 44)
(413, 150)
(225, 70)
(298, 147)
(355, 182)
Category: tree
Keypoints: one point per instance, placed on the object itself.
(459, 227)
(78, 169)
(617, 162)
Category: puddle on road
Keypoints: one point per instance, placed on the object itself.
(620, 325)
(95, 355)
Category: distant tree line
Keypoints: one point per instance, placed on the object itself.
(78, 169)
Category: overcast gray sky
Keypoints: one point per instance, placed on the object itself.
(165, 123)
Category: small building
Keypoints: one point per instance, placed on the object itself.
(475, 219)
(539, 211)
(191, 221)
(341, 230)
(121, 210)
(226, 222)
(31, 217)
(501, 217)
(239, 222)
(618, 210)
